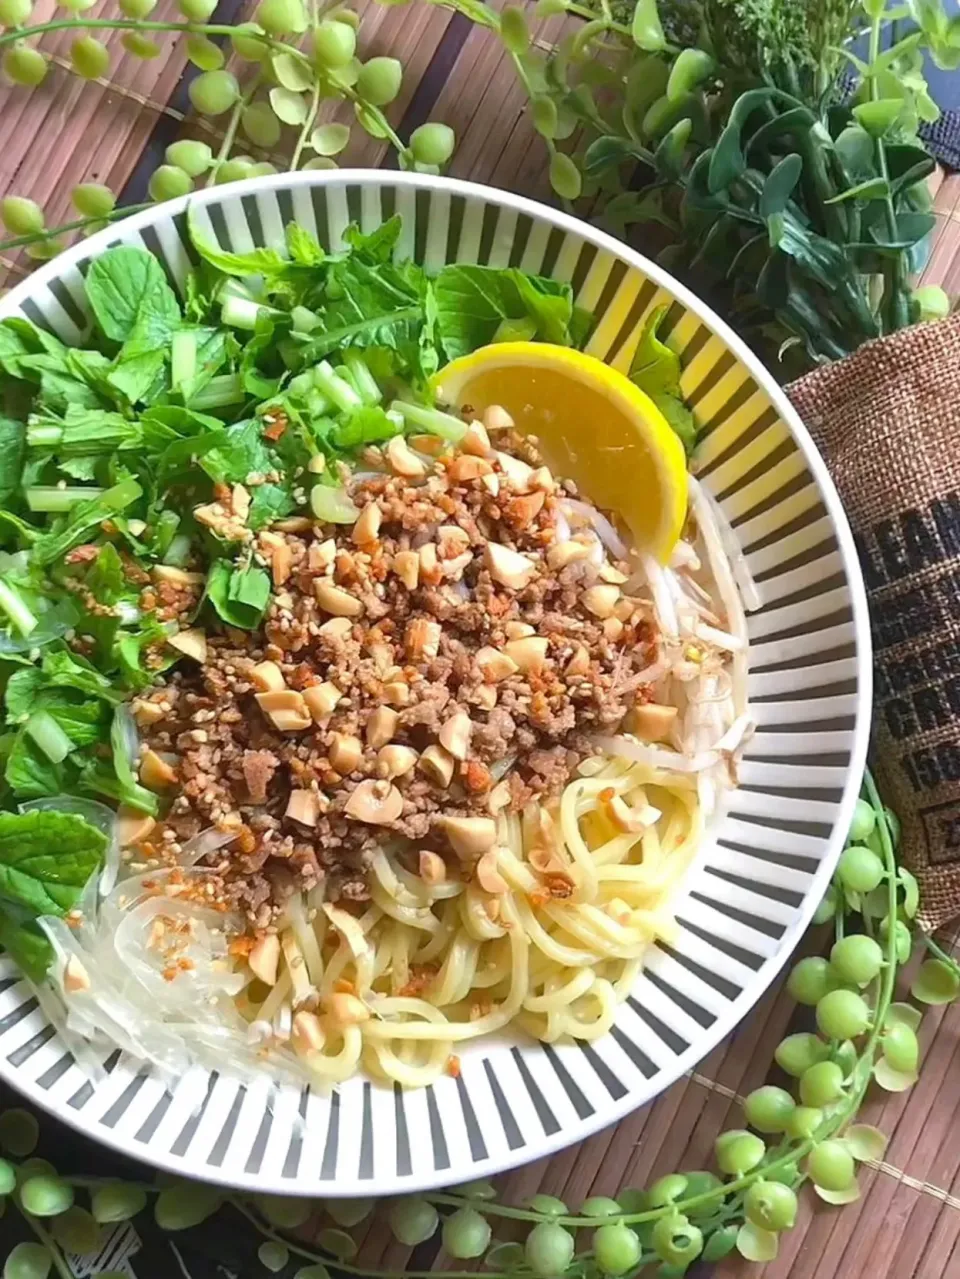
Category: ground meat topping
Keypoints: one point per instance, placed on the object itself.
(468, 628)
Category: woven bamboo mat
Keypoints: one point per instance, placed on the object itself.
(907, 1224)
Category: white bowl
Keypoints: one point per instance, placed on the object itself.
(751, 894)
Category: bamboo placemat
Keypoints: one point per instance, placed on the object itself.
(907, 1224)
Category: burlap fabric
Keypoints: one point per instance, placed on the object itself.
(887, 421)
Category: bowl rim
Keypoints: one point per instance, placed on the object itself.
(727, 1022)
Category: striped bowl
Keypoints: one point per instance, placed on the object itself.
(751, 894)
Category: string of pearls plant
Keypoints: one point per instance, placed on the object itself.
(804, 1133)
(298, 57)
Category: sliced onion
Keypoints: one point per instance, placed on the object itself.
(202, 845)
(719, 639)
(737, 735)
(105, 820)
(333, 505)
(656, 756)
(607, 533)
(663, 607)
(715, 527)
(128, 613)
(91, 810)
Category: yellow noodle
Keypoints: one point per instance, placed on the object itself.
(555, 967)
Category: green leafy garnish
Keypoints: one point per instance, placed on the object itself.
(656, 370)
(46, 859)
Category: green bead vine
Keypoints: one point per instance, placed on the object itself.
(297, 57)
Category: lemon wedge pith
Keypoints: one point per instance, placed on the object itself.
(594, 427)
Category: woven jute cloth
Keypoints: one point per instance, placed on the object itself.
(887, 421)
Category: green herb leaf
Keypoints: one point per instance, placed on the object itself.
(127, 286)
(26, 944)
(240, 596)
(473, 301)
(12, 447)
(46, 859)
(656, 370)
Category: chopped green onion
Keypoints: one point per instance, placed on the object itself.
(303, 321)
(219, 392)
(178, 552)
(243, 313)
(167, 524)
(43, 435)
(49, 736)
(234, 288)
(445, 425)
(21, 617)
(363, 379)
(317, 404)
(57, 500)
(301, 385)
(183, 358)
(335, 388)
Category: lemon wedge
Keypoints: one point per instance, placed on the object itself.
(594, 426)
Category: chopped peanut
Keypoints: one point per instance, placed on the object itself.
(470, 836)
(402, 460)
(395, 761)
(336, 601)
(287, 710)
(281, 563)
(156, 773)
(496, 418)
(455, 735)
(529, 653)
(268, 677)
(422, 639)
(495, 665)
(321, 700)
(433, 869)
(368, 524)
(303, 806)
(406, 565)
(438, 765)
(650, 722)
(75, 976)
(378, 803)
(346, 752)
(488, 876)
(476, 441)
(191, 643)
(601, 600)
(264, 958)
(509, 567)
(381, 727)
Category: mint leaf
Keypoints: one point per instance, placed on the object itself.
(27, 945)
(126, 288)
(46, 859)
(28, 772)
(242, 450)
(303, 247)
(656, 370)
(266, 262)
(12, 435)
(240, 596)
(473, 301)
